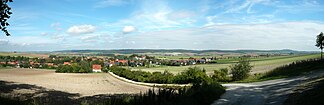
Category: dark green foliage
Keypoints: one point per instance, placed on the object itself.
(295, 68)
(142, 76)
(203, 94)
(320, 43)
(5, 13)
(6, 101)
(241, 69)
(193, 75)
(158, 77)
(221, 75)
(81, 67)
(84, 67)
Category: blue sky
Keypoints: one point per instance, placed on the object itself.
(50, 25)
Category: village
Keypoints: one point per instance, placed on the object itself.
(97, 64)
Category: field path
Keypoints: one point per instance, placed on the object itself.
(273, 92)
(83, 84)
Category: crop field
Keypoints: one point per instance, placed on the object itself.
(260, 64)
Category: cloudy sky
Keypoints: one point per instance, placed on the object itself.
(50, 25)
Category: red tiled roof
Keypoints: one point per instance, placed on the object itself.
(96, 67)
(66, 63)
(122, 61)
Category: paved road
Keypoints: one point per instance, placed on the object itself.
(273, 92)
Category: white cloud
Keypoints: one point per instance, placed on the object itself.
(156, 15)
(128, 29)
(44, 33)
(56, 26)
(302, 6)
(81, 29)
(58, 37)
(287, 35)
(28, 40)
(3, 42)
(90, 38)
(247, 5)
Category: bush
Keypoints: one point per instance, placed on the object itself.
(241, 69)
(193, 75)
(203, 94)
(221, 75)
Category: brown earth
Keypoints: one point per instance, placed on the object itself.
(84, 84)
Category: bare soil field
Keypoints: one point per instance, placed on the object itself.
(83, 84)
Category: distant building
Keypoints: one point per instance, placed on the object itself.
(66, 63)
(50, 64)
(121, 62)
(96, 68)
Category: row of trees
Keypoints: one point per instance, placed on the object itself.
(192, 75)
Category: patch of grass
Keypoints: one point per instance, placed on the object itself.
(293, 69)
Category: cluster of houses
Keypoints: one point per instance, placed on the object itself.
(190, 61)
(28, 64)
(134, 61)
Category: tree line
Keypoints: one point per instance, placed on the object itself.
(239, 71)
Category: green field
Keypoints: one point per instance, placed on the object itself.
(260, 64)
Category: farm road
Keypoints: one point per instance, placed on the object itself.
(273, 92)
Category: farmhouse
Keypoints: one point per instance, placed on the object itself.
(66, 63)
(96, 68)
(50, 64)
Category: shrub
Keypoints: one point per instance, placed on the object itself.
(193, 75)
(221, 75)
(203, 94)
(241, 69)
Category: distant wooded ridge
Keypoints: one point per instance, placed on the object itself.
(131, 51)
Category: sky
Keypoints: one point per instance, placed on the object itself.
(52, 25)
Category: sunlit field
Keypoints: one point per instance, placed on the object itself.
(260, 64)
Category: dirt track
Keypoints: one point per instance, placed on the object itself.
(84, 84)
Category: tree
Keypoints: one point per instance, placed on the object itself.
(220, 75)
(320, 43)
(5, 13)
(85, 67)
(241, 69)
